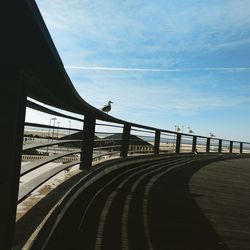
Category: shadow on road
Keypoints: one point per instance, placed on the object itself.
(176, 221)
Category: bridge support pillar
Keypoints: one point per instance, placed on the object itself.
(178, 143)
(231, 147)
(88, 142)
(241, 147)
(12, 110)
(208, 145)
(194, 143)
(220, 146)
(125, 140)
(157, 142)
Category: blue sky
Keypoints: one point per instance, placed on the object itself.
(162, 63)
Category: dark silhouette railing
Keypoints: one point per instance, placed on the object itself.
(31, 67)
(100, 141)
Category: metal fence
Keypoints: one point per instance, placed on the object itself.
(32, 68)
(92, 140)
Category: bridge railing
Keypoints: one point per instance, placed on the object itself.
(85, 140)
(31, 67)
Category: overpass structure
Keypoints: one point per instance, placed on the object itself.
(32, 76)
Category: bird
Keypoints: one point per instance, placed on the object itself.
(107, 107)
(190, 130)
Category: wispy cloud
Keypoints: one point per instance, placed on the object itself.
(158, 70)
(176, 27)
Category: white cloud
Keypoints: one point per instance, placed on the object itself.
(146, 27)
(144, 97)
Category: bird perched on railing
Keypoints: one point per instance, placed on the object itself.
(211, 135)
(107, 107)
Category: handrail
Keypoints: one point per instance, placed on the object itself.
(41, 108)
(37, 125)
(46, 144)
(36, 182)
(108, 125)
(38, 163)
(107, 147)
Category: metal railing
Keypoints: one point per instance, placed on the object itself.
(32, 68)
(103, 140)
(100, 140)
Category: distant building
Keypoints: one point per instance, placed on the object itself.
(136, 144)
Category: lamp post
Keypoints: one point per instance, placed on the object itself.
(54, 119)
(69, 132)
(49, 129)
(49, 133)
(176, 129)
(69, 126)
(57, 128)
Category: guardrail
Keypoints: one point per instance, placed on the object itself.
(31, 67)
(102, 140)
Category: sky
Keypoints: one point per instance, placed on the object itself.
(162, 63)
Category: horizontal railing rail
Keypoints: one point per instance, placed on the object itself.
(38, 163)
(38, 107)
(37, 181)
(46, 144)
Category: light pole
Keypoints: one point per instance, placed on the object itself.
(69, 131)
(49, 128)
(49, 132)
(57, 128)
(176, 129)
(69, 126)
(54, 119)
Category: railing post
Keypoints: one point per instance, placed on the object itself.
(220, 146)
(231, 147)
(241, 147)
(125, 140)
(208, 145)
(12, 109)
(157, 142)
(194, 143)
(88, 142)
(178, 143)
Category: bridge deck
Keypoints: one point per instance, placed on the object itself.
(183, 203)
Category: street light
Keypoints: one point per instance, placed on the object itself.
(54, 119)
(49, 129)
(69, 126)
(57, 128)
(69, 131)
(176, 129)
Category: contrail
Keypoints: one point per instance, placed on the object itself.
(118, 69)
(158, 70)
